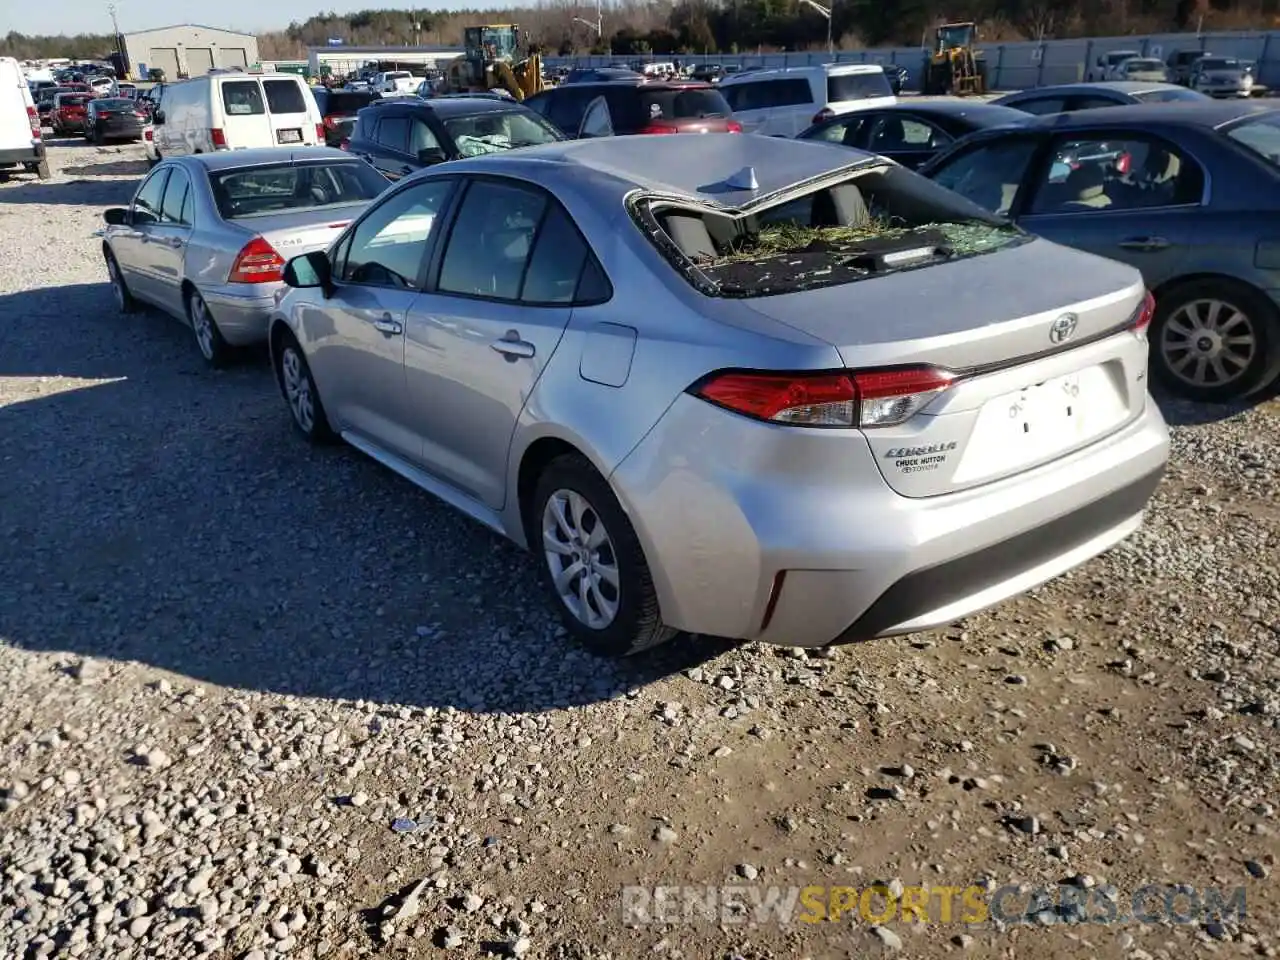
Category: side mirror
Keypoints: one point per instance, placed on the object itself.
(431, 155)
(309, 270)
(116, 216)
(157, 117)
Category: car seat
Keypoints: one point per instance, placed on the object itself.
(890, 137)
(1086, 188)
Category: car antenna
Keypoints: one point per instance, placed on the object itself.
(744, 179)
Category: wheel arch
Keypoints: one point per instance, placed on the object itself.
(1209, 275)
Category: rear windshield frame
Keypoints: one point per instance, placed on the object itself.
(673, 96)
(866, 84)
(641, 207)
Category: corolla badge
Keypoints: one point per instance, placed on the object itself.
(1064, 328)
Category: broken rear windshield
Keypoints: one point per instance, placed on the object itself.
(874, 222)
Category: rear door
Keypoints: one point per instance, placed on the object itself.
(391, 151)
(1132, 198)
(130, 244)
(292, 111)
(245, 123)
(906, 139)
(15, 121)
(166, 242)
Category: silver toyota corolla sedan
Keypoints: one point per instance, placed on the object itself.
(732, 385)
(206, 236)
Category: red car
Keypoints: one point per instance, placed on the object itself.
(69, 112)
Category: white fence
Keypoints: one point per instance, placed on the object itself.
(1011, 66)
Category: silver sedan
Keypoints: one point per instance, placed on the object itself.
(206, 236)
(739, 386)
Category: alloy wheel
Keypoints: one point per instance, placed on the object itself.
(202, 324)
(581, 556)
(297, 389)
(1208, 342)
(117, 282)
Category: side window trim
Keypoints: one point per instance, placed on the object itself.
(158, 175)
(169, 185)
(1031, 186)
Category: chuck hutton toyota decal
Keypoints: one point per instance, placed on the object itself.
(920, 459)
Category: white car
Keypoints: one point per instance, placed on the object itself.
(785, 101)
(395, 82)
(1108, 65)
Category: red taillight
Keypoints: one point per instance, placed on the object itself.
(33, 116)
(104, 114)
(257, 262)
(733, 126)
(148, 134)
(330, 122)
(320, 132)
(823, 115)
(1123, 162)
(660, 128)
(218, 138)
(1143, 316)
(870, 398)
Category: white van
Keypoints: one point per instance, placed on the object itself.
(236, 111)
(20, 143)
(785, 101)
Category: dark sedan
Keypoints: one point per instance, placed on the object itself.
(1069, 97)
(1189, 193)
(911, 133)
(114, 118)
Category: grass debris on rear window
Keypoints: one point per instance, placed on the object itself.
(785, 257)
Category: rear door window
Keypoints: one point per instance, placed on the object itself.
(393, 133)
(559, 254)
(567, 107)
(1041, 105)
(1127, 173)
(284, 96)
(242, 98)
(175, 198)
(1092, 103)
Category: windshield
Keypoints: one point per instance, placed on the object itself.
(857, 86)
(255, 191)
(1219, 63)
(1120, 56)
(1259, 134)
(879, 220)
(498, 131)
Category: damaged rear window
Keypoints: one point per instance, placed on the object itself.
(875, 221)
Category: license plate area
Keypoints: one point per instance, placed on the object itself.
(292, 135)
(1041, 420)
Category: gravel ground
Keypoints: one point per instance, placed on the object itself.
(265, 701)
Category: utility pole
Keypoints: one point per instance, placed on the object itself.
(826, 12)
(115, 38)
(598, 26)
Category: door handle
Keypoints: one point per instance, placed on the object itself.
(388, 326)
(173, 242)
(513, 348)
(406, 169)
(1145, 244)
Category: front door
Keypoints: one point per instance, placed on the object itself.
(479, 342)
(167, 242)
(359, 331)
(1132, 198)
(131, 244)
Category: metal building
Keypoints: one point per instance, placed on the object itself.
(188, 49)
(341, 59)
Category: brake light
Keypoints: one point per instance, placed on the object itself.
(1145, 313)
(148, 134)
(257, 262)
(733, 126)
(660, 128)
(823, 115)
(866, 398)
(330, 122)
(320, 133)
(33, 116)
(218, 138)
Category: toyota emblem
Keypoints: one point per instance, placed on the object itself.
(1064, 328)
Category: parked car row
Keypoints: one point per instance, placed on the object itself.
(664, 365)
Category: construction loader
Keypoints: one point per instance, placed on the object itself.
(955, 67)
(496, 58)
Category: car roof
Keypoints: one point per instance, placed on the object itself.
(691, 166)
(984, 114)
(1119, 86)
(764, 73)
(448, 106)
(1209, 114)
(232, 159)
(641, 83)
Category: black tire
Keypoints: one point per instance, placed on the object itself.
(1184, 306)
(43, 171)
(637, 624)
(314, 428)
(124, 299)
(212, 345)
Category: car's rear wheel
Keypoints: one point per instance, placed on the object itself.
(300, 393)
(592, 562)
(215, 350)
(119, 289)
(1215, 340)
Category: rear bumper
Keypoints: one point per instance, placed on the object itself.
(792, 537)
(32, 153)
(242, 311)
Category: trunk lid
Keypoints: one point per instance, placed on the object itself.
(292, 234)
(1024, 395)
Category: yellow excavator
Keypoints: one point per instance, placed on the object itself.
(496, 58)
(955, 67)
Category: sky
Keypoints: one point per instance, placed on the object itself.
(251, 16)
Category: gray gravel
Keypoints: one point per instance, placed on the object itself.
(264, 701)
